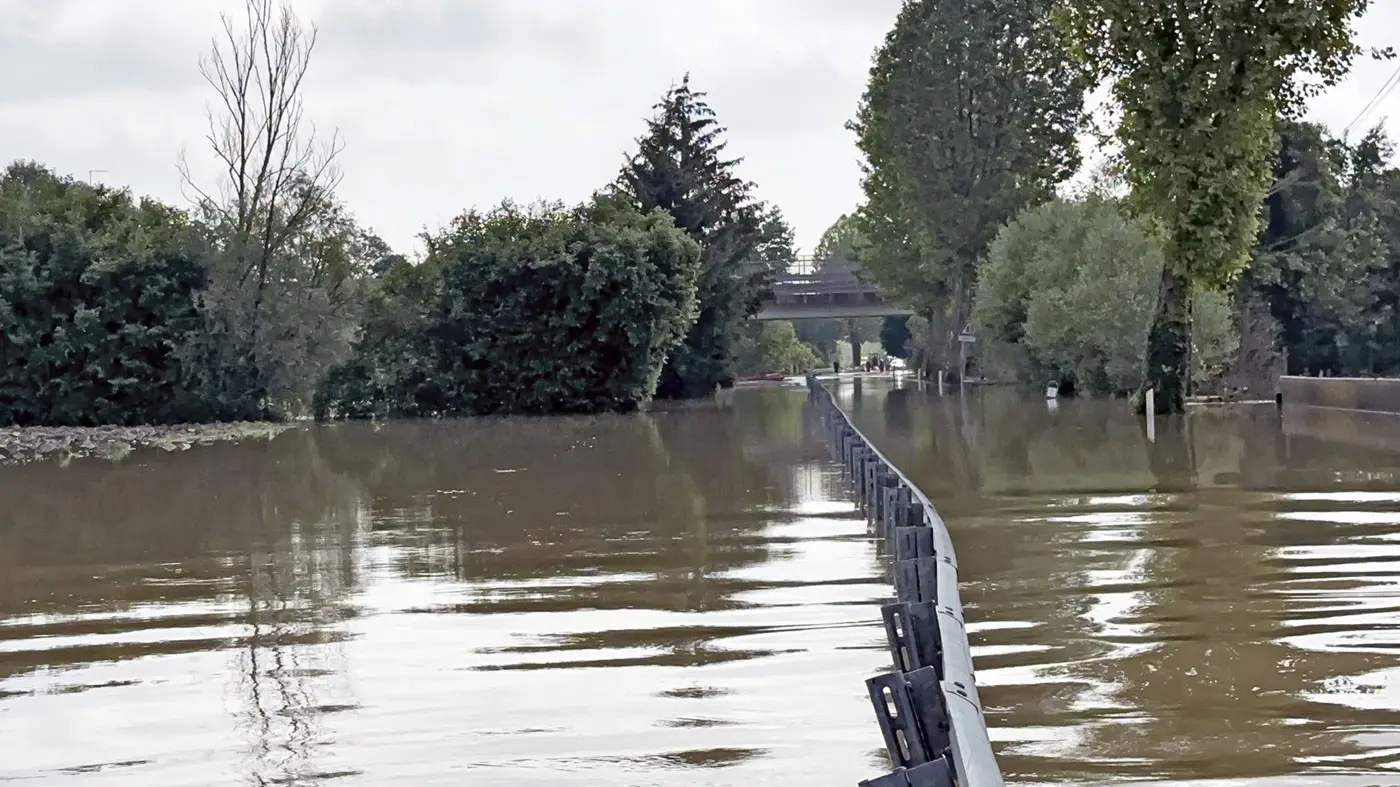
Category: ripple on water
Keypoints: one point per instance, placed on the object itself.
(690, 598)
(638, 601)
(1241, 623)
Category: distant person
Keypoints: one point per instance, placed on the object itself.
(836, 367)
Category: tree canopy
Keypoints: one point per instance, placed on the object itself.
(540, 310)
(969, 115)
(681, 167)
(1067, 293)
(1199, 84)
(100, 309)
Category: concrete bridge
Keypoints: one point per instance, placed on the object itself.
(804, 293)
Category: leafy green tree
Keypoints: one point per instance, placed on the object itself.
(895, 336)
(680, 167)
(917, 346)
(1373, 200)
(822, 335)
(99, 303)
(1199, 84)
(839, 247)
(1319, 247)
(547, 310)
(970, 114)
(839, 251)
(773, 346)
(393, 370)
(1070, 288)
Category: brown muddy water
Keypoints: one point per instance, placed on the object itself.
(689, 598)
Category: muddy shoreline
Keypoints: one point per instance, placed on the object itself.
(22, 445)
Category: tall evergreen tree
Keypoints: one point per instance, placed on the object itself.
(681, 168)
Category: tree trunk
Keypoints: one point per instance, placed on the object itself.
(1169, 346)
(938, 341)
(853, 332)
(957, 318)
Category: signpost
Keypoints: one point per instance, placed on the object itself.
(965, 337)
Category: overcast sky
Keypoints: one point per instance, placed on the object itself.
(448, 104)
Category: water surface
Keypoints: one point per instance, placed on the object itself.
(689, 598)
(1220, 603)
(683, 598)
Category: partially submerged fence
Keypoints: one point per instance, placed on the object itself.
(927, 707)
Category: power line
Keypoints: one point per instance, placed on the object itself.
(1386, 89)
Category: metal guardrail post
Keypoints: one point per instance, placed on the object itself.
(928, 708)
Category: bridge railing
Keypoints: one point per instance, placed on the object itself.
(836, 283)
(927, 706)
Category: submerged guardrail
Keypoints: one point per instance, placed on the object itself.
(927, 707)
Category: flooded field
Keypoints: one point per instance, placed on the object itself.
(1220, 603)
(689, 598)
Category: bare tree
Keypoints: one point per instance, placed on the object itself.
(275, 175)
(276, 178)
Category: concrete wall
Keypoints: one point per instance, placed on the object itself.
(1360, 428)
(1343, 393)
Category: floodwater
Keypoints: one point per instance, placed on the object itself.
(688, 598)
(1220, 603)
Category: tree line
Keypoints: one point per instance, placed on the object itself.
(1224, 238)
(265, 298)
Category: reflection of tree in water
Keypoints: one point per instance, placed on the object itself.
(897, 417)
(260, 520)
(1217, 680)
(644, 511)
(530, 499)
(1219, 695)
(779, 432)
(293, 656)
(83, 537)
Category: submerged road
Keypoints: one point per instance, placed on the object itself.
(690, 598)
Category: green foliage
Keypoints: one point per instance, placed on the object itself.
(292, 310)
(99, 308)
(680, 168)
(918, 327)
(822, 335)
(547, 310)
(1326, 255)
(773, 346)
(895, 336)
(1199, 84)
(839, 248)
(1070, 288)
(270, 300)
(969, 115)
(393, 370)
(839, 251)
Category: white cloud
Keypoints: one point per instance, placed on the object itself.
(448, 104)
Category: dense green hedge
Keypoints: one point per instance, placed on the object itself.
(100, 318)
(547, 310)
